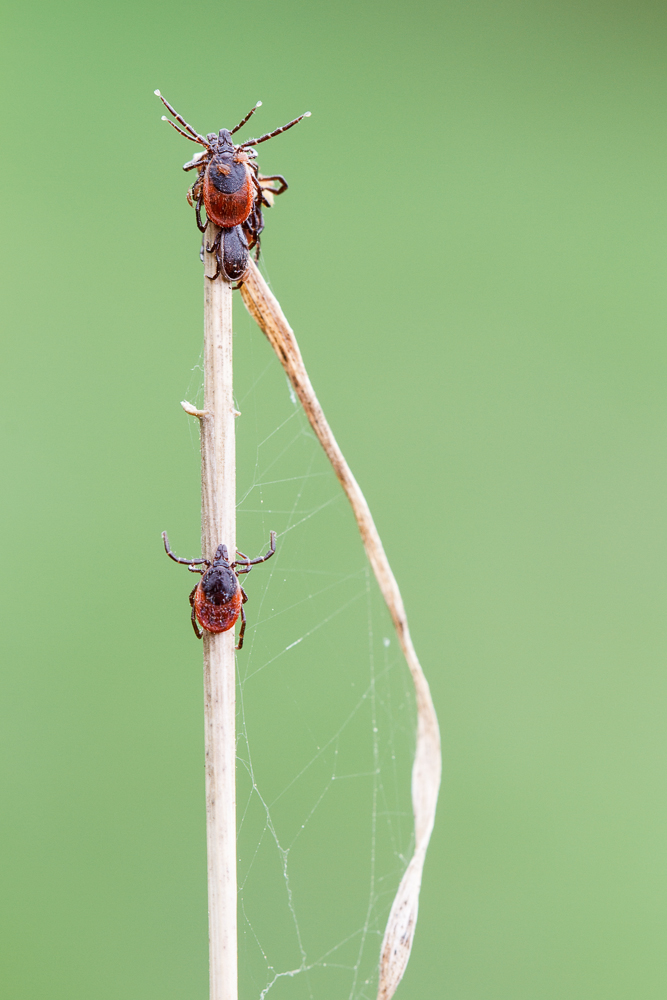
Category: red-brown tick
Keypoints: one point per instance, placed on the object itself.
(230, 188)
(219, 597)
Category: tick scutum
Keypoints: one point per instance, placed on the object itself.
(227, 174)
(219, 584)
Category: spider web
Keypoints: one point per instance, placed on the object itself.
(325, 712)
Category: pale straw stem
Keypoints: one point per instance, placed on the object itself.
(218, 479)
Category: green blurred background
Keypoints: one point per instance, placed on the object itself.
(472, 253)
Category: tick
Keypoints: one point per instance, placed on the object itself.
(218, 598)
(229, 186)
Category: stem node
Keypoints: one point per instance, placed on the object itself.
(192, 410)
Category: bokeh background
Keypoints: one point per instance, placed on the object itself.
(472, 252)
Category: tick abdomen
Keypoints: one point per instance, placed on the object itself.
(216, 617)
(228, 197)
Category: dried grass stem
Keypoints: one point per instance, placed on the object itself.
(218, 477)
(397, 943)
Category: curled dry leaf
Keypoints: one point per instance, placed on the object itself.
(397, 942)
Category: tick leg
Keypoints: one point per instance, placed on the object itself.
(196, 161)
(258, 221)
(212, 277)
(258, 188)
(277, 131)
(242, 629)
(215, 244)
(260, 559)
(256, 235)
(252, 235)
(218, 259)
(195, 191)
(252, 231)
(198, 631)
(274, 177)
(215, 248)
(194, 135)
(252, 227)
(181, 132)
(244, 120)
(186, 562)
(200, 200)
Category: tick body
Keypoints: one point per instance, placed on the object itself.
(229, 187)
(228, 191)
(218, 598)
